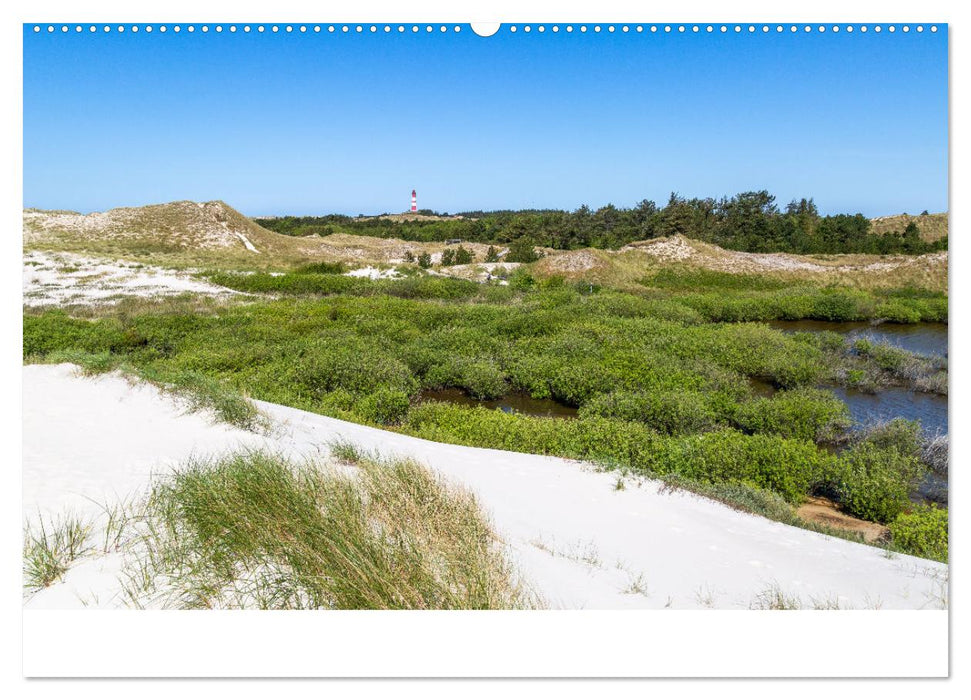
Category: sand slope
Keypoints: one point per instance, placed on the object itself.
(580, 541)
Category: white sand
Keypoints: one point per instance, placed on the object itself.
(374, 273)
(55, 279)
(576, 538)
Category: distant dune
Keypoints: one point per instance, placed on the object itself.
(206, 233)
(214, 234)
(932, 226)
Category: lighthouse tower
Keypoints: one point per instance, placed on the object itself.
(414, 201)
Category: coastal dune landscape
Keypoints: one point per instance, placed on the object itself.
(586, 513)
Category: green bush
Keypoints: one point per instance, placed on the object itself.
(922, 532)
(55, 330)
(463, 256)
(384, 406)
(809, 414)
(838, 305)
(522, 251)
(874, 483)
(482, 379)
(898, 312)
(322, 268)
(787, 467)
(673, 412)
(900, 434)
(300, 283)
(355, 367)
(428, 287)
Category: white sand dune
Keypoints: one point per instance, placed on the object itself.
(579, 541)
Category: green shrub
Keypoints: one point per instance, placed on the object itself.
(787, 467)
(809, 414)
(322, 268)
(302, 283)
(922, 532)
(54, 330)
(354, 367)
(520, 279)
(874, 483)
(522, 251)
(900, 434)
(428, 287)
(838, 305)
(898, 311)
(593, 438)
(673, 412)
(463, 256)
(384, 406)
(482, 379)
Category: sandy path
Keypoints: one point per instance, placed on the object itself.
(578, 540)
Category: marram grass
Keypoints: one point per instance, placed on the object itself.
(253, 530)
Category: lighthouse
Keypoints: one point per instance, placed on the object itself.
(414, 201)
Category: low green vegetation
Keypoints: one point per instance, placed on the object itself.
(922, 532)
(670, 381)
(312, 283)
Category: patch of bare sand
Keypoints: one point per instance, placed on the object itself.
(824, 512)
(59, 279)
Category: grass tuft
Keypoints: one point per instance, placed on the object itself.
(254, 530)
(50, 548)
(774, 598)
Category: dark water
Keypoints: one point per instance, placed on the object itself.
(515, 402)
(922, 338)
(895, 402)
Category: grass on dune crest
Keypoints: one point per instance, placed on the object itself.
(198, 391)
(253, 530)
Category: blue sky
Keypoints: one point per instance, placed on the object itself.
(350, 123)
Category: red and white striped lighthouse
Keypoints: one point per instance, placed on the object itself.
(414, 200)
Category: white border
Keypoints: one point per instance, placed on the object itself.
(415, 644)
(587, 643)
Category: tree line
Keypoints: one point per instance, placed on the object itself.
(749, 221)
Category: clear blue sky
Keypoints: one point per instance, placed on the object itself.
(318, 123)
